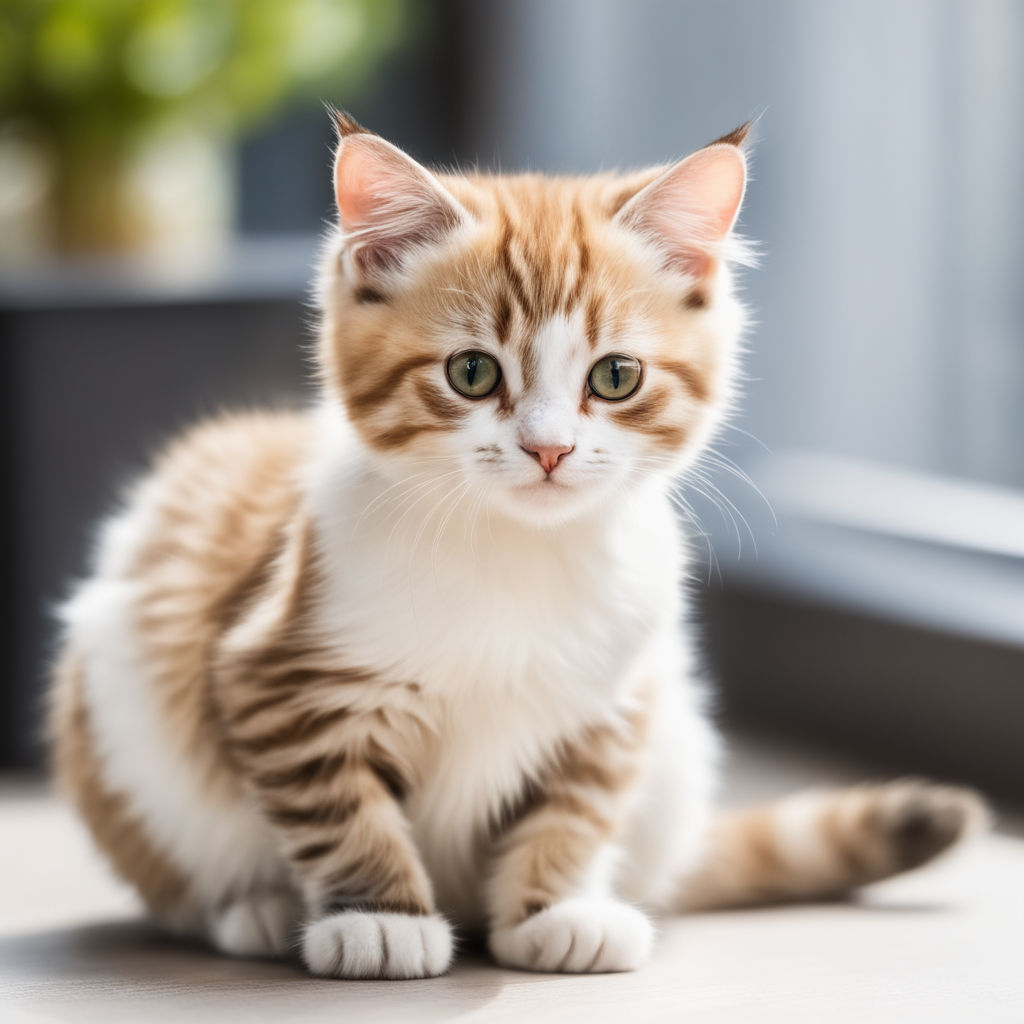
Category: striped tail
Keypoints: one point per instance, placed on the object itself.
(821, 845)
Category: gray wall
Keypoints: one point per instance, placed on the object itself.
(90, 390)
(886, 192)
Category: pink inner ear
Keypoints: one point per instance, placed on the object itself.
(712, 182)
(692, 207)
(354, 181)
(387, 202)
(372, 183)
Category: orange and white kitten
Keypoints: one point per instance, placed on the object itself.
(413, 659)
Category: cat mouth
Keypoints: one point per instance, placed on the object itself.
(547, 486)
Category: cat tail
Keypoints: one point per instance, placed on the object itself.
(821, 845)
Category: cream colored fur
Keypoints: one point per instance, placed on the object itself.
(357, 676)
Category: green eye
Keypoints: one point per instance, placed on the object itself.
(615, 377)
(473, 374)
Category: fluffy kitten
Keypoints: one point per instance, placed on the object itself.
(415, 657)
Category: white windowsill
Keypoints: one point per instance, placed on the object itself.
(938, 553)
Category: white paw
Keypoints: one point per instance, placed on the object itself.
(579, 936)
(354, 944)
(261, 924)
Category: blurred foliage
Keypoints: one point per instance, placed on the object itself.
(110, 65)
(87, 85)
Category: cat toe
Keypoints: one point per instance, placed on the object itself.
(577, 936)
(354, 944)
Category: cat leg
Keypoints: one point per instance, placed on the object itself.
(550, 901)
(372, 903)
(369, 903)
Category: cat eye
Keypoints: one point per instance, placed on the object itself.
(614, 377)
(473, 374)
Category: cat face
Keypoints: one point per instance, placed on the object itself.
(536, 344)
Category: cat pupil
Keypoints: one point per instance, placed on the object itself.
(471, 365)
(615, 374)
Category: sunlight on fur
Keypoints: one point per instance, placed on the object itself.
(344, 680)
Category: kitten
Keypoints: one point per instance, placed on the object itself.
(414, 659)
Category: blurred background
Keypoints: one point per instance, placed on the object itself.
(164, 175)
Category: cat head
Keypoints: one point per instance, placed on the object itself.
(540, 343)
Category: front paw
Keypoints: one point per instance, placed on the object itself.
(356, 944)
(577, 936)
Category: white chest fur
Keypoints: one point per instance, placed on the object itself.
(518, 640)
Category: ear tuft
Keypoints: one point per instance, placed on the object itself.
(737, 137)
(345, 124)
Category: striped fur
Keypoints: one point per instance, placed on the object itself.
(820, 845)
(350, 677)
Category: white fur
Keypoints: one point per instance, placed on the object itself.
(525, 609)
(525, 615)
(217, 846)
(354, 944)
(521, 642)
(577, 936)
(262, 924)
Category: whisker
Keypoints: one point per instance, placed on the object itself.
(736, 471)
(747, 433)
(724, 462)
(466, 485)
(395, 502)
(723, 510)
(376, 500)
(425, 493)
(683, 506)
(715, 494)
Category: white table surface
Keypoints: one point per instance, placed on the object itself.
(943, 944)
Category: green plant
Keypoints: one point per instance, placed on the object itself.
(86, 77)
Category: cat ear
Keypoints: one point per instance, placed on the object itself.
(388, 205)
(689, 210)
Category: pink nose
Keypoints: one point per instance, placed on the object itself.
(548, 455)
